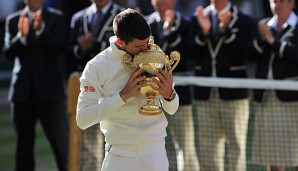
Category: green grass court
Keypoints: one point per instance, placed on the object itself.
(43, 154)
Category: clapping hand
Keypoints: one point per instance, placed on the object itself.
(224, 19)
(265, 31)
(203, 20)
(85, 41)
(37, 21)
(169, 19)
(23, 25)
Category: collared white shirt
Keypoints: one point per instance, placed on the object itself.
(214, 11)
(291, 21)
(104, 10)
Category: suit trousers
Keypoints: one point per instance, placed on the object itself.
(52, 117)
(222, 125)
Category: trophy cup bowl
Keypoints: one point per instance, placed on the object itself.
(151, 60)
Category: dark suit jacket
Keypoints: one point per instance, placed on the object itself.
(80, 25)
(174, 41)
(222, 55)
(38, 69)
(284, 56)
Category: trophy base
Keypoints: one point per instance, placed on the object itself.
(150, 110)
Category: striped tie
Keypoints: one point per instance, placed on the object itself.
(96, 23)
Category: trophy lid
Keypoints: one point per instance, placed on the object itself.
(152, 45)
(152, 58)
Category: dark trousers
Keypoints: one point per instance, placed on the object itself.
(52, 117)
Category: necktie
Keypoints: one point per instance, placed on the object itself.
(274, 33)
(215, 24)
(96, 23)
(160, 31)
(215, 28)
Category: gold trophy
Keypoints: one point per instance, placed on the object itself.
(150, 61)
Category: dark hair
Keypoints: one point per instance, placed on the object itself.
(129, 25)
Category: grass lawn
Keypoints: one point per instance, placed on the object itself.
(43, 154)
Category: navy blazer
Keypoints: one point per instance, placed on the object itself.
(222, 55)
(81, 24)
(281, 57)
(174, 41)
(38, 69)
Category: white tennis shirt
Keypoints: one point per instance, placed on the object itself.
(129, 132)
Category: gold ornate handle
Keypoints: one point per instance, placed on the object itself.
(127, 60)
(174, 56)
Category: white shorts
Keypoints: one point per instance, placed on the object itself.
(156, 161)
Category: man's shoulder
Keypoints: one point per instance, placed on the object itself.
(14, 15)
(80, 13)
(151, 18)
(101, 58)
(54, 11)
(115, 9)
(118, 7)
(237, 11)
(98, 64)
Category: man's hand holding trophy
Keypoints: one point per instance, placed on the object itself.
(152, 60)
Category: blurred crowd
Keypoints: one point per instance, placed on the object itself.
(255, 8)
(214, 37)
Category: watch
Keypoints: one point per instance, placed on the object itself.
(172, 97)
